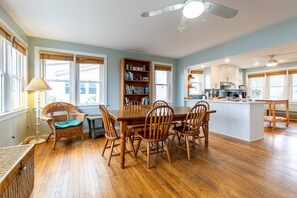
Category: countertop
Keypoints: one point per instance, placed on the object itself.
(225, 101)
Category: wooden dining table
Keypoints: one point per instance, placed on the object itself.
(137, 116)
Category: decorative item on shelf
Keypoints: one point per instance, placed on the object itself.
(146, 90)
(145, 78)
(190, 76)
(37, 85)
(143, 67)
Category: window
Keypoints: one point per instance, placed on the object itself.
(196, 82)
(12, 68)
(90, 79)
(73, 78)
(163, 83)
(256, 86)
(293, 83)
(17, 63)
(276, 85)
(57, 75)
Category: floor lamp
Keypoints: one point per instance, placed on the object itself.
(37, 85)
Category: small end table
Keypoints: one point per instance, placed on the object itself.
(94, 131)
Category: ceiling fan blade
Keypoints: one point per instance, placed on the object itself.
(182, 24)
(162, 10)
(220, 10)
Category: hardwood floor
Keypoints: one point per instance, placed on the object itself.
(229, 168)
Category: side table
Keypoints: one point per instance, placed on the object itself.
(94, 131)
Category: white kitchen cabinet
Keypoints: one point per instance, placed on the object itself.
(221, 73)
(215, 76)
(229, 74)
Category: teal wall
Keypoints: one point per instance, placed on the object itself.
(113, 63)
(13, 130)
(7, 20)
(268, 37)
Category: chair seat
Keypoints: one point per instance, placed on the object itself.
(179, 129)
(67, 124)
(148, 138)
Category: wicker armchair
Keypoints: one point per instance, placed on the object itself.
(64, 120)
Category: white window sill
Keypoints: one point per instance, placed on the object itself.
(12, 114)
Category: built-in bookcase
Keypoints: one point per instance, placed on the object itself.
(135, 81)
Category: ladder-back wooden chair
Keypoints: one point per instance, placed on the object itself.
(112, 134)
(190, 128)
(160, 103)
(204, 124)
(64, 120)
(157, 124)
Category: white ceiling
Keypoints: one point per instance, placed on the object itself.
(117, 24)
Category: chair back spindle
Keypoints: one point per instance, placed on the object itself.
(110, 131)
(157, 123)
(194, 119)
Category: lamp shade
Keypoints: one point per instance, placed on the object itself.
(37, 84)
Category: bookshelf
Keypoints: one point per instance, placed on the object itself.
(135, 81)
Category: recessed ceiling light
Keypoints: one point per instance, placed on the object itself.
(256, 63)
(227, 60)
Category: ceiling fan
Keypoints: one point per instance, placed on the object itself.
(272, 61)
(192, 9)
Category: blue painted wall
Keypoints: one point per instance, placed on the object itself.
(268, 37)
(113, 63)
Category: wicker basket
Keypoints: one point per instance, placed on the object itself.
(16, 171)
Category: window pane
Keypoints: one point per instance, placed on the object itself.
(1, 93)
(197, 78)
(257, 93)
(58, 92)
(161, 77)
(57, 70)
(89, 72)
(276, 93)
(162, 92)
(294, 93)
(14, 62)
(90, 93)
(15, 94)
(277, 80)
(294, 77)
(256, 82)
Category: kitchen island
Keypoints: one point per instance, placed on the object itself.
(241, 120)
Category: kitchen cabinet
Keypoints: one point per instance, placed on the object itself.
(221, 73)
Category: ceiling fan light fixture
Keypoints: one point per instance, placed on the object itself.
(193, 8)
(271, 64)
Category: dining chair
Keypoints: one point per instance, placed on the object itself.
(190, 128)
(157, 123)
(112, 134)
(134, 105)
(160, 103)
(204, 124)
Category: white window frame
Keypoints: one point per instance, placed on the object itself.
(74, 73)
(100, 81)
(201, 82)
(170, 83)
(277, 86)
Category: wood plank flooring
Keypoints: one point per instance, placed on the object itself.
(230, 168)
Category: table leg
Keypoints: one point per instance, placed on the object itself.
(273, 116)
(287, 113)
(123, 129)
(205, 129)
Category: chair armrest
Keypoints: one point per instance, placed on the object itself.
(45, 118)
(80, 116)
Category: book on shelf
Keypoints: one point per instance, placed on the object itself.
(145, 100)
(146, 90)
(134, 90)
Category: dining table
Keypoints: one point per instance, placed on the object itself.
(126, 117)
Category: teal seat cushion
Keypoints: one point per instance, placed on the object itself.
(67, 124)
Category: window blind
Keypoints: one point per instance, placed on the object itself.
(19, 46)
(162, 67)
(5, 33)
(292, 71)
(89, 59)
(256, 75)
(55, 56)
(197, 71)
(276, 73)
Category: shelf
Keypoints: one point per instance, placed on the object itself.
(277, 119)
(136, 71)
(138, 81)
